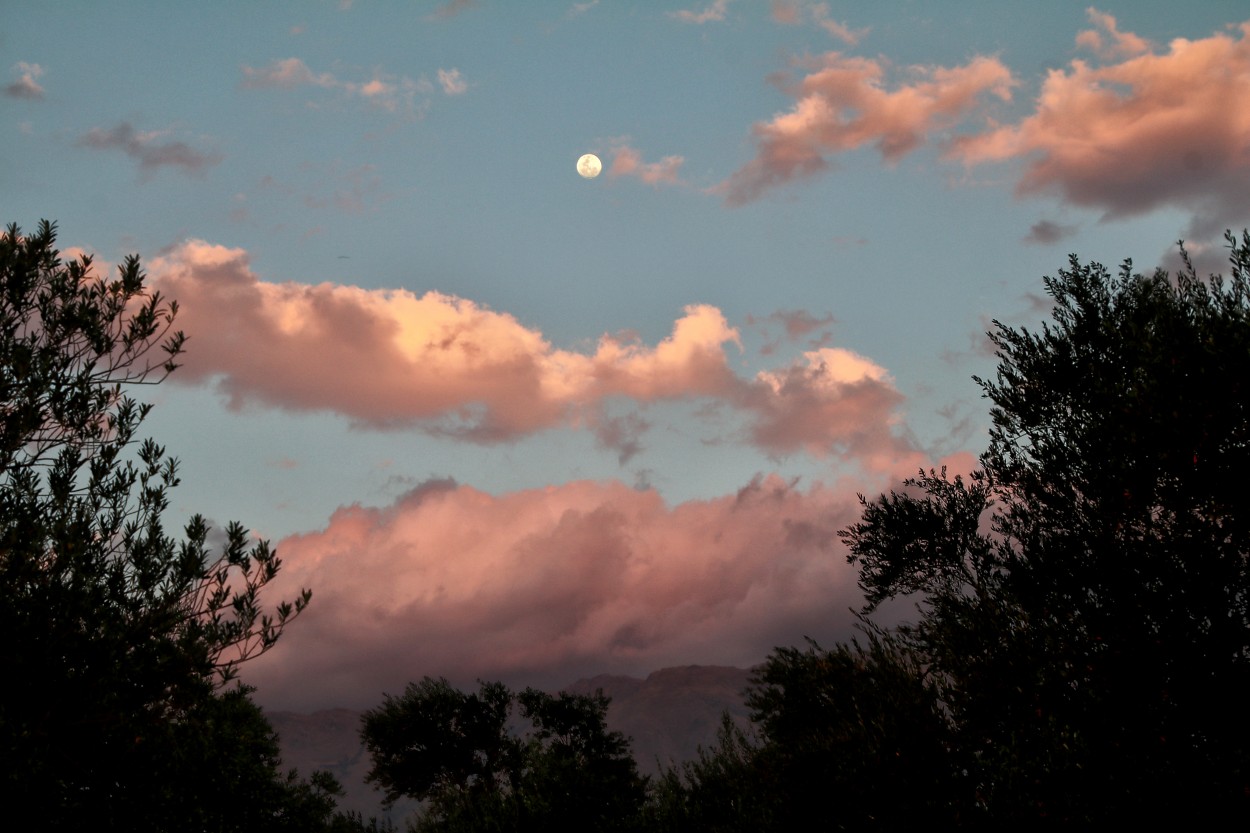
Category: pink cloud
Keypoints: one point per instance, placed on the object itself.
(844, 104)
(387, 92)
(714, 13)
(791, 12)
(390, 359)
(1151, 131)
(452, 82)
(1110, 42)
(626, 161)
(548, 584)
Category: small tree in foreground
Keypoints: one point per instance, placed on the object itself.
(116, 635)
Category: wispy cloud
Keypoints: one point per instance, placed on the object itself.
(1151, 131)
(1110, 42)
(713, 13)
(451, 81)
(396, 94)
(795, 12)
(1047, 231)
(150, 149)
(844, 104)
(25, 86)
(450, 9)
(453, 368)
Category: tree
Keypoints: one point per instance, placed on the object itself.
(852, 736)
(116, 635)
(457, 752)
(1085, 595)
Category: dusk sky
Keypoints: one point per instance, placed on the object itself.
(513, 423)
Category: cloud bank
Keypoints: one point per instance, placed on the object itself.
(446, 365)
(546, 585)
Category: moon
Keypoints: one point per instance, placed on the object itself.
(589, 166)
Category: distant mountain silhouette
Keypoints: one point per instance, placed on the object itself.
(669, 715)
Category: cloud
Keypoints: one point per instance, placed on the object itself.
(451, 81)
(712, 14)
(844, 104)
(285, 74)
(546, 585)
(25, 86)
(450, 9)
(1155, 130)
(148, 150)
(1115, 43)
(448, 366)
(581, 8)
(790, 13)
(391, 93)
(1046, 232)
(626, 161)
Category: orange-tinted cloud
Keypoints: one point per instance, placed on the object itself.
(626, 161)
(791, 12)
(1151, 131)
(713, 13)
(844, 103)
(394, 94)
(545, 585)
(390, 358)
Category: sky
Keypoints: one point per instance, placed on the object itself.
(507, 422)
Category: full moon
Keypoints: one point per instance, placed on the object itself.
(589, 166)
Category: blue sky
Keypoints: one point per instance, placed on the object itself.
(835, 199)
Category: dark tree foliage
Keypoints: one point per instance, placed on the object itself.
(116, 635)
(459, 754)
(1086, 594)
(838, 732)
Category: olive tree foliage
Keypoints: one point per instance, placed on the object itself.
(112, 627)
(470, 759)
(1085, 606)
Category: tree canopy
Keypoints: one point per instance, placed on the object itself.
(118, 636)
(1081, 650)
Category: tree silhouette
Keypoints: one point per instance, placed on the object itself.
(115, 633)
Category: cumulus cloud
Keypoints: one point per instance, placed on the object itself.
(546, 585)
(390, 358)
(844, 103)
(149, 149)
(25, 86)
(1154, 130)
(627, 161)
(714, 13)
